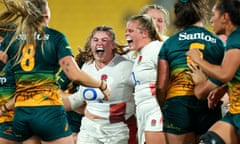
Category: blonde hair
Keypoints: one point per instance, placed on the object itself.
(85, 54)
(146, 8)
(146, 23)
(28, 16)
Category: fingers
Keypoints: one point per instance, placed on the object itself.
(212, 104)
(193, 67)
(106, 93)
(211, 96)
(193, 52)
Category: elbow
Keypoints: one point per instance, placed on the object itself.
(225, 79)
(70, 68)
(73, 76)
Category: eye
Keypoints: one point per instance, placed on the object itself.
(160, 20)
(104, 40)
(94, 39)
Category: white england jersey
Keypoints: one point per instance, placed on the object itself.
(117, 74)
(144, 73)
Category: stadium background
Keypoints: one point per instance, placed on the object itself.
(77, 18)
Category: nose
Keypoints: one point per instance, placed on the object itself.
(99, 42)
(126, 33)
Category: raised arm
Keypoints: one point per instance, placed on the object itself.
(223, 72)
(71, 69)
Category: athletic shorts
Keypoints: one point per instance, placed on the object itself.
(233, 119)
(149, 118)
(74, 120)
(6, 131)
(188, 114)
(101, 131)
(47, 122)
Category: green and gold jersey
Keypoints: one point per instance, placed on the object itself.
(174, 51)
(35, 73)
(233, 42)
(7, 89)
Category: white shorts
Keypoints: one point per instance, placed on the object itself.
(101, 131)
(149, 118)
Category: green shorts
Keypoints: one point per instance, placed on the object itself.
(233, 119)
(74, 120)
(47, 122)
(7, 132)
(188, 114)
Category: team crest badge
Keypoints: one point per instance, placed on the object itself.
(153, 122)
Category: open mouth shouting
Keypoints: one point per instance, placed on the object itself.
(129, 42)
(99, 49)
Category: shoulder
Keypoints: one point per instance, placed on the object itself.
(121, 63)
(55, 36)
(234, 35)
(155, 44)
(122, 59)
(153, 47)
(164, 37)
(233, 39)
(53, 32)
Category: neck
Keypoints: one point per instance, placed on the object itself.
(230, 28)
(99, 64)
(200, 24)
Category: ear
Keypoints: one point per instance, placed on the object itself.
(226, 18)
(114, 45)
(145, 33)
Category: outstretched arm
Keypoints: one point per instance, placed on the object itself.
(72, 101)
(71, 69)
(223, 72)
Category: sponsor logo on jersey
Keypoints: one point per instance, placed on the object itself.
(195, 36)
(3, 80)
(37, 36)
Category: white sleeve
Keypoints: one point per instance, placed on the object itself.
(76, 99)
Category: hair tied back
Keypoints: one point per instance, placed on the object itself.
(184, 1)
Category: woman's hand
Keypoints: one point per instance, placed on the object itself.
(197, 74)
(105, 90)
(195, 55)
(215, 96)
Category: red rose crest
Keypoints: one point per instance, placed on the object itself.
(104, 77)
(153, 122)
